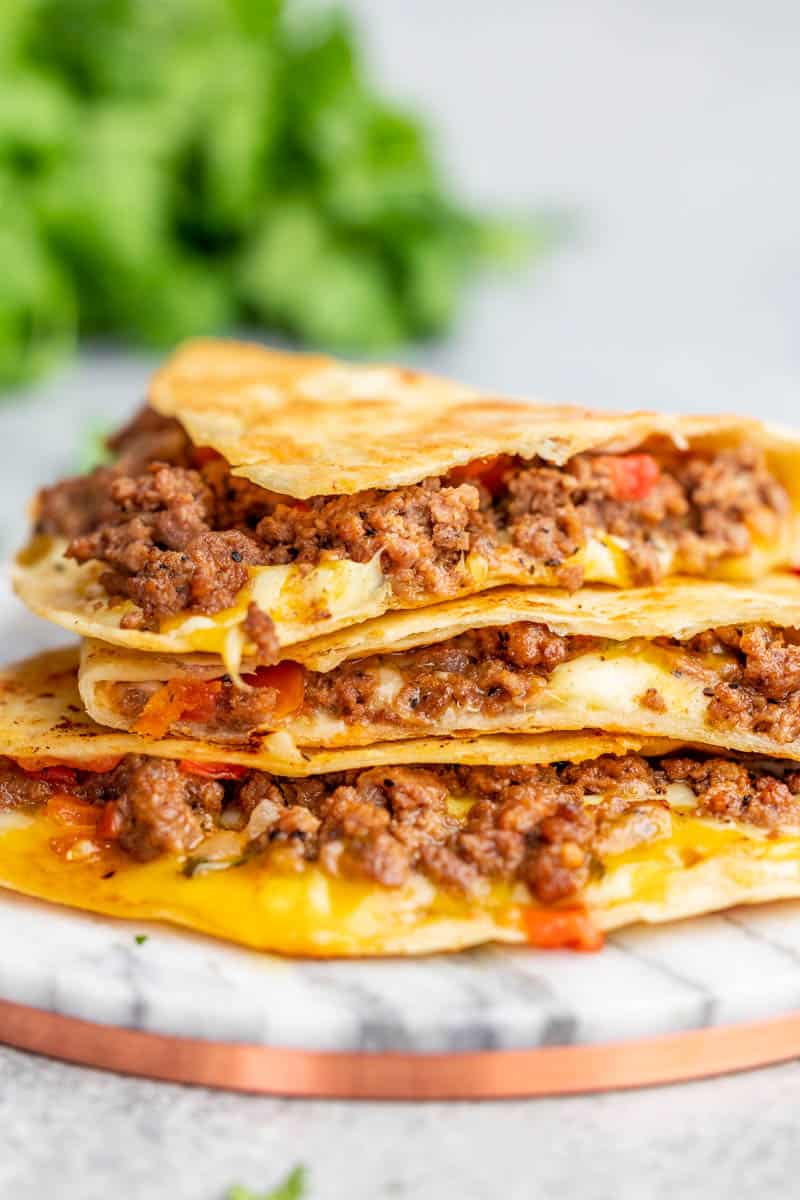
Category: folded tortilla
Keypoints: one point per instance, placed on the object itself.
(41, 716)
(633, 674)
(682, 863)
(306, 425)
(309, 426)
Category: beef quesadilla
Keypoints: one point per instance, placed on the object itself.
(411, 847)
(378, 664)
(264, 499)
(648, 661)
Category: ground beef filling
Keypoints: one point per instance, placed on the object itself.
(527, 824)
(759, 688)
(176, 531)
(484, 671)
(488, 672)
(219, 707)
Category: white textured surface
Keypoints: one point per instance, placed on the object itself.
(70, 1132)
(671, 127)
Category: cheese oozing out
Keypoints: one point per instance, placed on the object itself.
(311, 912)
(338, 592)
(601, 688)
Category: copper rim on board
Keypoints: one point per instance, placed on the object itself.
(483, 1075)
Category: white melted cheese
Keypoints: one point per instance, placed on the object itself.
(612, 682)
(390, 684)
(14, 820)
(605, 560)
(677, 795)
(336, 592)
(602, 688)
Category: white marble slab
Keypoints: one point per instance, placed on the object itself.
(713, 971)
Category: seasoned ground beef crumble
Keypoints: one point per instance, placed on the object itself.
(752, 676)
(175, 531)
(525, 823)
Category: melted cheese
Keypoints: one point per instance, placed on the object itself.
(611, 682)
(306, 604)
(307, 912)
(339, 592)
(336, 592)
(599, 689)
(311, 913)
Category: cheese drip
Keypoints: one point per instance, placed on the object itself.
(696, 865)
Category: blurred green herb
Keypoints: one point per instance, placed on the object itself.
(140, 939)
(292, 1188)
(93, 451)
(184, 166)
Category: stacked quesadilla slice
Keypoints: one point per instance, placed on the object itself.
(373, 663)
(258, 484)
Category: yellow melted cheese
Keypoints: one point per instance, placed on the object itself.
(311, 913)
(337, 592)
(308, 912)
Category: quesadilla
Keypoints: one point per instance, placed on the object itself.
(717, 663)
(264, 498)
(401, 848)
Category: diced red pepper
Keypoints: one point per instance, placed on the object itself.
(562, 929)
(287, 679)
(633, 476)
(68, 810)
(59, 775)
(191, 699)
(213, 770)
(490, 472)
(110, 821)
(204, 454)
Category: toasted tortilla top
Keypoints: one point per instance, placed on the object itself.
(307, 425)
(41, 716)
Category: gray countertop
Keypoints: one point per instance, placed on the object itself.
(670, 130)
(70, 1132)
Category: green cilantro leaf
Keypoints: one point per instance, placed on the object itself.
(93, 451)
(184, 168)
(292, 1188)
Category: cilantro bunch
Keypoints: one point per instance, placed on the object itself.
(175, 167)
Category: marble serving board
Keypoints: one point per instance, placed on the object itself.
(739, 967)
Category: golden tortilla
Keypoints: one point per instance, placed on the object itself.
(306, 425)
